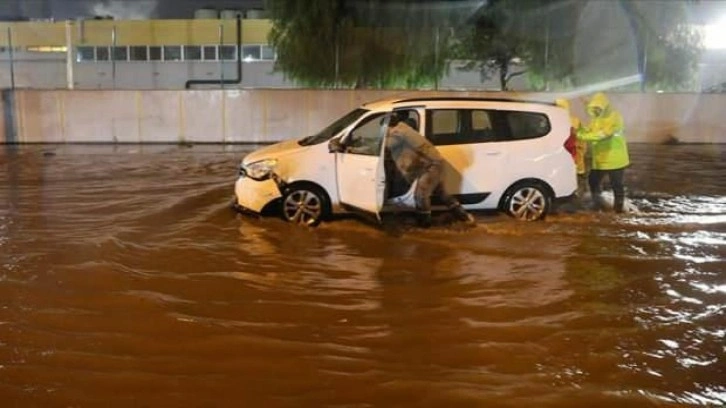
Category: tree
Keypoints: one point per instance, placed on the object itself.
(540, 38)
(669, 47)
(358, 44)
(551, 33)
(501, 41)
(485, 48)
(305, 34)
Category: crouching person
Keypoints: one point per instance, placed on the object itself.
(418, 160)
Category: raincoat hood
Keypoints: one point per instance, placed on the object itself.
(599, 100)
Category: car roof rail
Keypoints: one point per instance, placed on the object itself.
(470, 98)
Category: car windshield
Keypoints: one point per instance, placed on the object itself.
(334, 128)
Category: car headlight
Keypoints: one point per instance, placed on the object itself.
(259, 170)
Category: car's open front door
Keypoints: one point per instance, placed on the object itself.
(360, 168)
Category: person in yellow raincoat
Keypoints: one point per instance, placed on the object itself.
(609, 149)
(582, 166)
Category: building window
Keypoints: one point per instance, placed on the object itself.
(251, 52)
(120, 53)
(7, 49)
(154, 53)
(46, 48)
(172, 53)
(102, 54)
(192, 53)
(85, 54)
(228, 52)
(138, 53)
(268, 53)
(210, 52)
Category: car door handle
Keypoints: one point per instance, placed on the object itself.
(493, 153)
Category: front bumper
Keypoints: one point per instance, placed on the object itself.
(252, 195)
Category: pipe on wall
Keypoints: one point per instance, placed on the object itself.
(223, 81)
(8, 120)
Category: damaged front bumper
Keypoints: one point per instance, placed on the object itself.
(251, 196)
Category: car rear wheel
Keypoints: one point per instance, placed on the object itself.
(305, 204)
(528, 201)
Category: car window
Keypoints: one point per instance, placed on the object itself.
(444, 126)
(445, 121)
(480, 120)
(464, 126)
(481, 127)
(334, 128)
(366, 137)
(460, 126)
(527, 125)
(410, 117)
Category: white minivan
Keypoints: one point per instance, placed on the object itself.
(511, 155)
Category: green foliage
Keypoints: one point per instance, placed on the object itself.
(513, 37)
(672, 48)
(305, 34)
(392, 44)
(540, 35)
(496, 43)
(552, 31)
(323, 43)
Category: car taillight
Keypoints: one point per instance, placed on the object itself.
(571, 143)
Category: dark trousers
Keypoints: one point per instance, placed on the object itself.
(429, 184)
(616, 182)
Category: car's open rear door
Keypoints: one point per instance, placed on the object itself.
(360, 170)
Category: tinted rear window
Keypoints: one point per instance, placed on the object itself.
(464, 126)
(527, 125)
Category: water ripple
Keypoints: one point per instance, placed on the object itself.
(125, 277)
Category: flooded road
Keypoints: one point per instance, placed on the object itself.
(126, 280)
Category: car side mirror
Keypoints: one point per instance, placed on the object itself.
(334, 146)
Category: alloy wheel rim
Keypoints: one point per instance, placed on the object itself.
(528, 204)
(302, 207)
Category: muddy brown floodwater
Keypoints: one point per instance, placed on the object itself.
(126, 280)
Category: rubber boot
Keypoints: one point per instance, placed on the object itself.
(598, 203)
(579, 201)
(462, 215)
(619, 203)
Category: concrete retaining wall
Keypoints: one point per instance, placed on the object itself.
(267, 115)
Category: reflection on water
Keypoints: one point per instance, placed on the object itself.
(125, 279)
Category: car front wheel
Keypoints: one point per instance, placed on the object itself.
(305, 205)
(528, 201)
